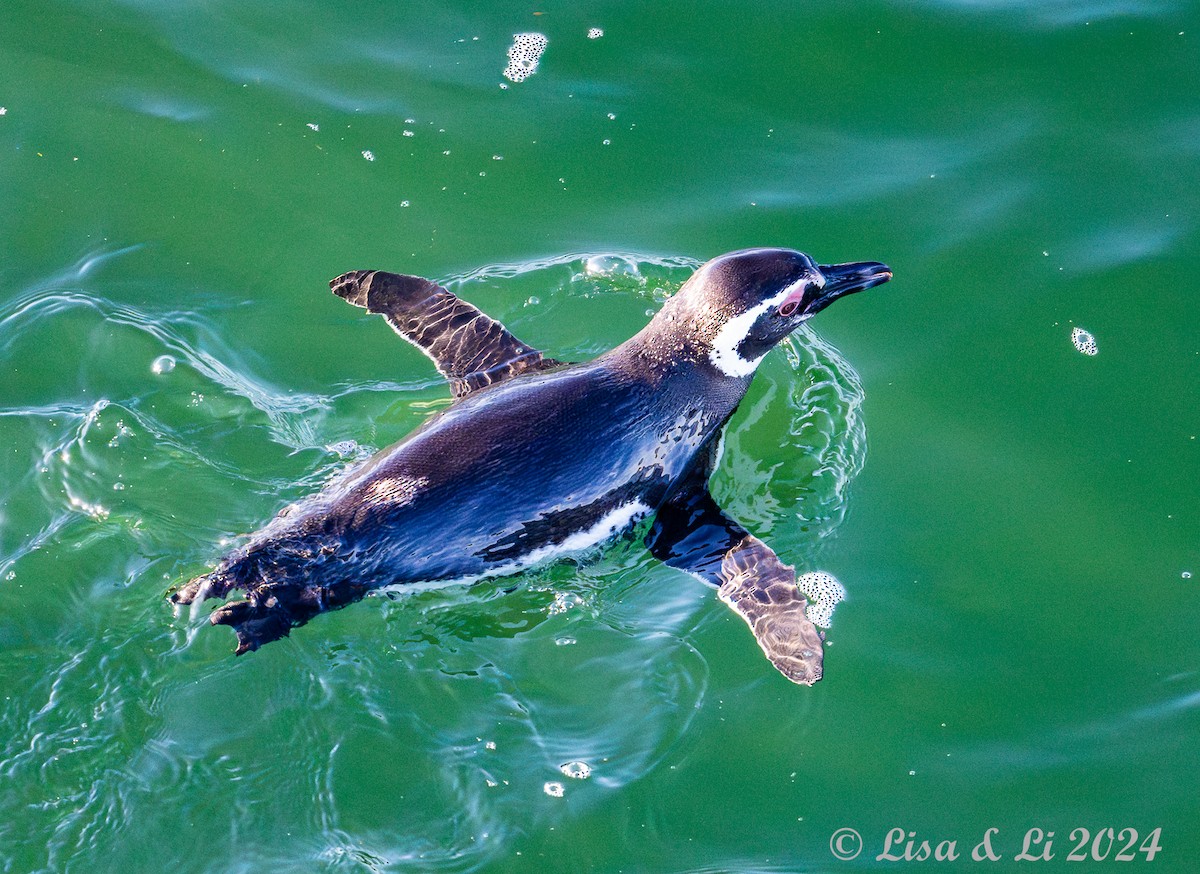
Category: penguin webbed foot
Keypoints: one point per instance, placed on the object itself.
(253, 624)
(271, 610)
(211, 585)
(762, 590)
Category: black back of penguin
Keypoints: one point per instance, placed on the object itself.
(504, 475)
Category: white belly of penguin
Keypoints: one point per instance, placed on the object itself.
(608, 526)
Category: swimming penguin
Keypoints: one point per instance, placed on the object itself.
(537, 458)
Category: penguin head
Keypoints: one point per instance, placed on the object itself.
(740, 305)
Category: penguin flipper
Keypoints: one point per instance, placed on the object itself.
(470, 349)
(693, 534)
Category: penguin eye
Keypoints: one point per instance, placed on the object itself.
(788, 308)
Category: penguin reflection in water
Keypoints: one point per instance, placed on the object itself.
(538, 458)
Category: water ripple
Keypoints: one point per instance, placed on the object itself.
(1059, 13)
(461, 700)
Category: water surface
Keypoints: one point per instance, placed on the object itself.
(1015, 521)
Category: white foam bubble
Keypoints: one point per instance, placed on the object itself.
(313, 126)
(1084, 341)
(523, 56)
(554, 789)
(609, 265)
(595, 33)
(825, 593)
(345, 448)
(368, 154)
(562, 603)
(97, 511)
(162, 364)
(123, 431)
(576, 770)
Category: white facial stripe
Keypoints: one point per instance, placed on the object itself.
(724, 354)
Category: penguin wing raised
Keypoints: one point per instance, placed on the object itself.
(469, 348)
(692, 533)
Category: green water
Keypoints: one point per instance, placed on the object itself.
(1016, 522)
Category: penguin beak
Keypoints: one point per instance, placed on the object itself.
(844, 279)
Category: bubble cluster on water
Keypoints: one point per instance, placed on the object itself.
(345, 448)
(1084, 341)
(610, 265)
(563, 602)
(162, 364)
(576, 770)
(825, 593)
(122, 431)
(554, 789)
(595, 33)
(368, 154)
(96, 511)
(523, 56)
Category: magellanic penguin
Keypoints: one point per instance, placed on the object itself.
(537, 458)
